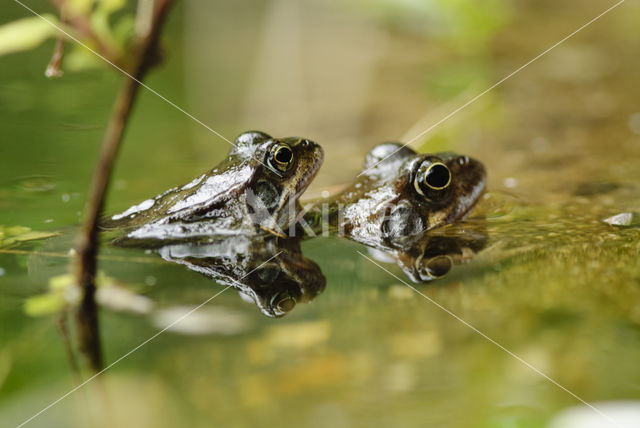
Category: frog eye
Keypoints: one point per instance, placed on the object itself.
(280, 157)
(286, 304)
(437, 267)
(432, 268)
(432, 179)
(283, 303)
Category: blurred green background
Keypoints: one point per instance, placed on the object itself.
(555, 285)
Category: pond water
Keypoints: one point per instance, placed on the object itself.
(555, 291)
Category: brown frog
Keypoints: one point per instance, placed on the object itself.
(254, 190)
(399, 196)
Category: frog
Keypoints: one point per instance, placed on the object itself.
(399, 196)
(265, 269)
(436, 252)
(253, 191)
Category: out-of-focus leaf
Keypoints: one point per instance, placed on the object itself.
(212, 320)
(79, 7)
(44, 304)
(80, 59)
(14, 234)
(123, 30)
(7, 232)
(60, 283)
(119, 298)
(64, 292)
(100, 26)
(467, 24)
(110, 6)
(100, 22)
(25, 34)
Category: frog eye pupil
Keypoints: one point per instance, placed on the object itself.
(282, 303)
(437, 176)
(283, 155)
(432, 180)
(280, 158)
(286, 304)
(438, 266)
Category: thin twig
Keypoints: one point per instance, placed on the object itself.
(81, 24)
(53, 68)
(145, 56)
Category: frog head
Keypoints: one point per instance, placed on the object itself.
(282, 169)
(402, 194)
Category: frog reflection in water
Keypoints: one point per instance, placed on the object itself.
(255, 189)
(436, 252)
(401, 195)
(267, 270)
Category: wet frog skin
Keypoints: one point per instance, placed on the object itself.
(254, 190)
(267, 270)
(401, 195)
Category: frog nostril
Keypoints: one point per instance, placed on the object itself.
(463, 160)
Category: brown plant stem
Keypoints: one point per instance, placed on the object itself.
(145, 55)
(53, 68)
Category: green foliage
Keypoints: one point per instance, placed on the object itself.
(80, 59)
(26, 33)
(64, 293)
(448, 80)
(92, 22)
(471, 23)
(16, 234)
(465, 24)
(79, 7)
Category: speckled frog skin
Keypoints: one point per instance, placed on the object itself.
(254, 190)
(402, 194)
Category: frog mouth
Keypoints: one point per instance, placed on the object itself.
(478, 190)
(305, 177)
(315, 159)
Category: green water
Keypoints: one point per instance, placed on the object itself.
(555, 285)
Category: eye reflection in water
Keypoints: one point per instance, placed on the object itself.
(269, 271)
(434, 254)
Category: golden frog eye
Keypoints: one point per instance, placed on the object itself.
(432, 179)
(438, 266)
(286, 304)
(280, 157)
